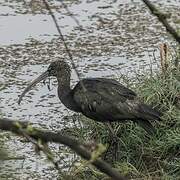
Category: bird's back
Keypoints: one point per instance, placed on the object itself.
(100, 99)
(106, 87)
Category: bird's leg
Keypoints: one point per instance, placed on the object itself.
(113, 134)
(111, 130)
(114, 139)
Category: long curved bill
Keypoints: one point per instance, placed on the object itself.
(43, 76)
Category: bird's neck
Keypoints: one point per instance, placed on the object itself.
(63, 86)
(65, 93)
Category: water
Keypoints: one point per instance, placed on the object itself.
(118, 37)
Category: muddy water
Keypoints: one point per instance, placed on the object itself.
(116, 37)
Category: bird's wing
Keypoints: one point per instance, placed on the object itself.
(108, 88)
(107, 100)
(101, 94)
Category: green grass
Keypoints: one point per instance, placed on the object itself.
(135, 154)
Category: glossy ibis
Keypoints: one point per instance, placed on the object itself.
(100, 99)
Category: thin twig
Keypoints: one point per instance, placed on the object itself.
(40, 147)
(12, 158)
(163, 19)
(65, 44)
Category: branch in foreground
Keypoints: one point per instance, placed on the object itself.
(49, 136)
(163, 19)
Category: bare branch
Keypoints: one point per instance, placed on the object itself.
(49, 136)
(163, 19)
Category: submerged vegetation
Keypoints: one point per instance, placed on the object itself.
(133, 152)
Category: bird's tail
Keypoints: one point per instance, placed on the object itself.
(147, 126)
(147, 112)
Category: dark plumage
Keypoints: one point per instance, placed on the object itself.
(100, 99)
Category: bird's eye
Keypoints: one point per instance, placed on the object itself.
(50, 69)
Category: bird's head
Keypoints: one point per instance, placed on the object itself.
(57, 68)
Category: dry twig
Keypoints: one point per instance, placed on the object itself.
(65, 44)
(163, 19)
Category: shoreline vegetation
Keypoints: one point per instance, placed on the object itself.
(134, 153)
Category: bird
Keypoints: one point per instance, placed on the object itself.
(100, 99)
